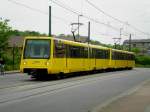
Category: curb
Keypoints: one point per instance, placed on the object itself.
(128, 92)
(12, 72)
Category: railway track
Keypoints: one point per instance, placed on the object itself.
(33, 90)
(33, 82)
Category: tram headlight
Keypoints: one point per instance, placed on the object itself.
(24, 63)
(47, 63)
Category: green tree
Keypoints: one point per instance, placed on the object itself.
(136, 50)
(5, 31)
(143, 60)
(95, 42)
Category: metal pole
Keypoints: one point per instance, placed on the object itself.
(13, 52)
(130, 42)
(78, 27)
(50, 21)
(89, 31)
(120, 32)
(120, 38)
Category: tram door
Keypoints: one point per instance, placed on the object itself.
(59, 60)
(92, 59)
(74, 59)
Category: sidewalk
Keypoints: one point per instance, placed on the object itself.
(139, 101)
(12, 72)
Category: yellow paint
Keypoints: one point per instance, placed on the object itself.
(66, 65)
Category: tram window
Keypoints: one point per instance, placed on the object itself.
(113, 55)
(85, 52)
(123, 56)
(90, 53)
(118, 56)
(133, 57)
(95, 50)
(77, 51)
(98, 54)
(128, 57)
(68, 51)
(37, 48)
(107, 54)
(74, 51)
(102, 54)
(93, 53)
(59, 49)
(81, 52)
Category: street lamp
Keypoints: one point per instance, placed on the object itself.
(121, 32)
(79, 24)
(120, 36)
(73, 30)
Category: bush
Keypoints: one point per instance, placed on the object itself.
(142, 60)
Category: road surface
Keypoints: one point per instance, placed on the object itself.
(18, 93)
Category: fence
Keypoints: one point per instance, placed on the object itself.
(12, 57)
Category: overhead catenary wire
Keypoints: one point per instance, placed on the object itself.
(83, 15)
(103, 12)
(114, 18)
(66, 7)
(60, 4)
(37, 10)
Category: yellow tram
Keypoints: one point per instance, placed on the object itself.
(45, 55)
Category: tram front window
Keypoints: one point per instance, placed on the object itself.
(38, 49)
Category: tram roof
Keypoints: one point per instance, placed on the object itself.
(77, 43)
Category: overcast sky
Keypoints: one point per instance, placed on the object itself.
(134, 12)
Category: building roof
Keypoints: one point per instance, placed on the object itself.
(16, 41)
(138, 41)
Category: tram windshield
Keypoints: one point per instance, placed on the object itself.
(39, 49)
